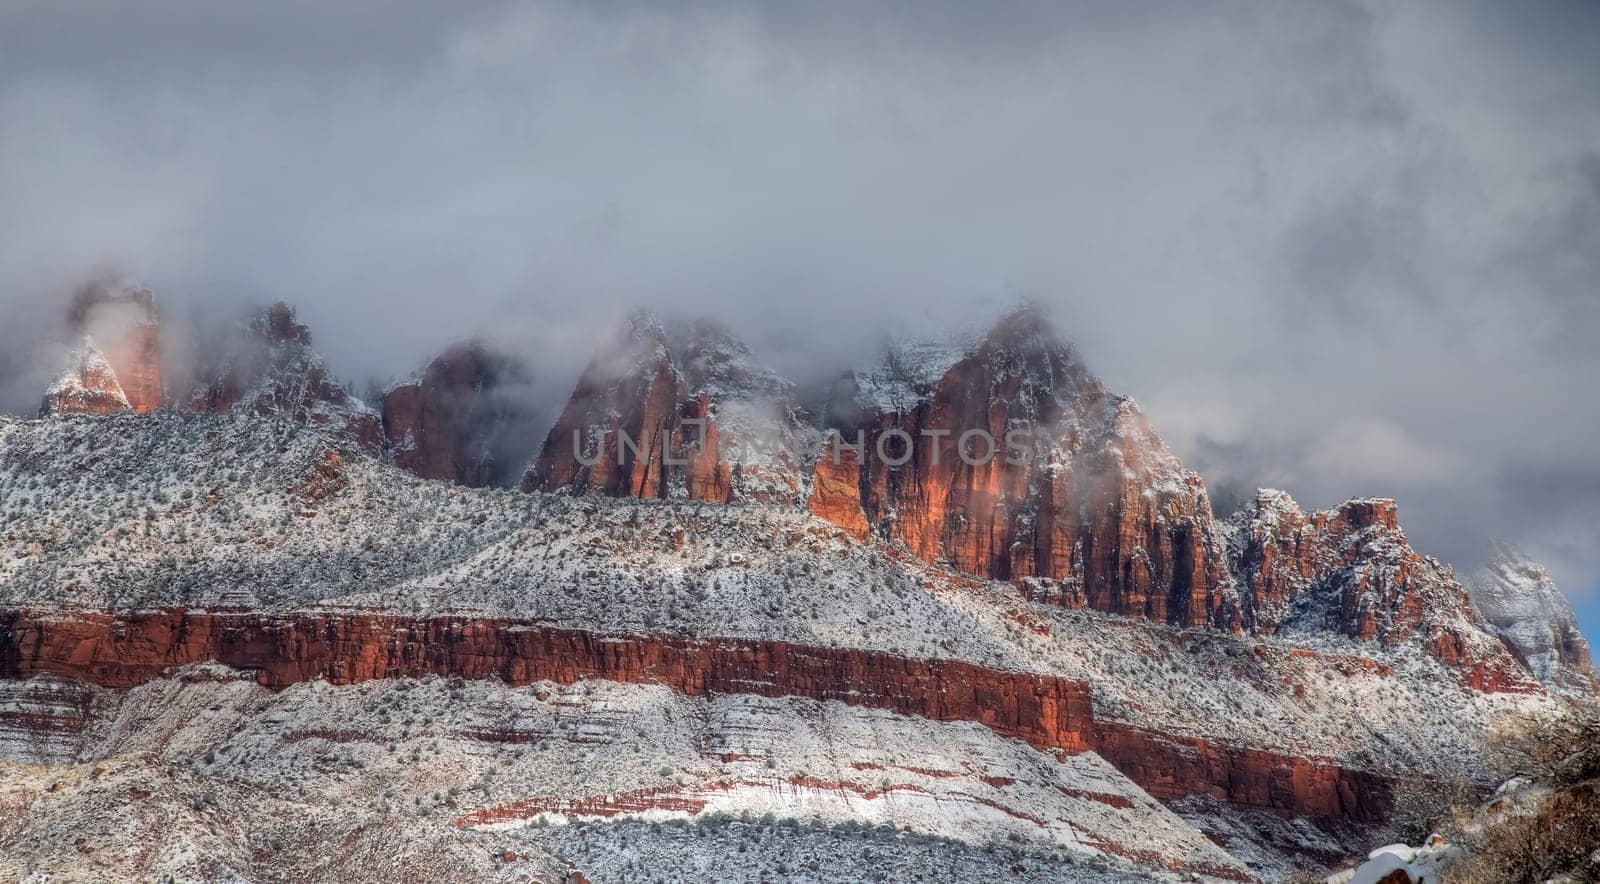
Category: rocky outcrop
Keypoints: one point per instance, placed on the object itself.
(1530, 611)
(463, 420)
(1045, 711)
(121, 318)
(89, 386)
(116, 367)
(268, 368)
(685, 415)
(1350, 570)
(1077, 491)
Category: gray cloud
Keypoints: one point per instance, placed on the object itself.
(1346, 248)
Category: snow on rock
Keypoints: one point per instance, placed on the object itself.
(133, 818)
(1078, 491)
(1520, 599)
(752, 850)
(88, 386)
(236, 512)
(1399, 863)
(676, 413)
(441, 756)
(268, 368)
(120, 314)
(42, 719)
(904, 377)
(1350, 570)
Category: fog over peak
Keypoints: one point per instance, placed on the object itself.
(1344, 248)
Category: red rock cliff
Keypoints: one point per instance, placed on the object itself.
(1045, 711)
(1088, 499)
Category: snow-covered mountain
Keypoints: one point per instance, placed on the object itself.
(89, 385)
(685, 412)
(267, 367)
(265, 608)
(1520, 599)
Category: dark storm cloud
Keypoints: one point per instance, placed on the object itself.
(1346, 248)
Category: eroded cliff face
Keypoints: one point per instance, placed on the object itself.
(836, 487)
(1045, 711)
(1350, 570)
(682, 415)
(268, 368)
(462, 420)
(1079, 492)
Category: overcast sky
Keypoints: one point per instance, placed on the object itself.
(1339, 248)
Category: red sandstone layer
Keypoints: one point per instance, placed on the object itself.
(121, 651)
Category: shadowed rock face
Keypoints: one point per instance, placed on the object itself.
(631, 388)
(1088, 500)
(686, 414)
(462, 420)
(268, 369)
(1045, 711)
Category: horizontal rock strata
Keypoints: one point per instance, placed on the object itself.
(1048, 712)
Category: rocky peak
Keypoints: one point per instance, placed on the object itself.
(277, 327)
(1350, 570)
(1022, 358)
(630, 388)
(1081, 499)
(267, 367)
(685, 413)
(120, 316)
(1362, 513)
(1517, 595)
(463, 420)
(716, 362)
(88, 386)
(1026, 341)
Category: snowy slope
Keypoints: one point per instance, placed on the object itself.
(238, 513)
(241, 512)
(454, 763)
